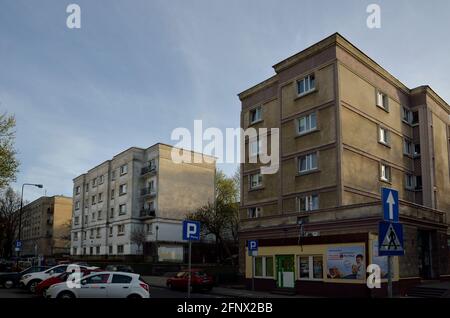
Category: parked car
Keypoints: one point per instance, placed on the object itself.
(7, 266)
(9, 280)
(199, 280)
(103, 285)
(30, 281)
(42, 287)
(119, 268)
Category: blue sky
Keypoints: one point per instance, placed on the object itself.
(138, 69)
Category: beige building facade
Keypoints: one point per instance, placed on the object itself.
(46, 226)
(138, 191)
(347, 129)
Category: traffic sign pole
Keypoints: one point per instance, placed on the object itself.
(390, 276)
(189, 269)
(253, 272)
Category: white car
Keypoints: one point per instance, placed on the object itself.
(102, 285)
(30, 281)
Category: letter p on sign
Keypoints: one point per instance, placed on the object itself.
(191, 230)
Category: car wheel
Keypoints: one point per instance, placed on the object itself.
(65, 295)
(32, 285)
(134, 296)
(8, 284)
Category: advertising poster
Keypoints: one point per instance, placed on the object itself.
(381, 261)
(346, 262)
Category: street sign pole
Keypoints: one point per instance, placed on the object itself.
(189, 268)
(253, 272)
(390, 276)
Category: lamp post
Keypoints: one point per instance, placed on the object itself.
(40, 186)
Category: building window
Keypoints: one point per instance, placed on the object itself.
(93, 200)
(418, 182)
(77, 205)
(120, 229)
(91, 235)
(306, 85)
(407, 147)
(119, 249)
(111, 213)
(409, 181)
(382, 101)
(77, 220)
(123, 189)
(308, 203)
(254, 212)
(123, 169)
(111, 231)
(113, 175)
(255, 180)
(307, 123)
(407, 115)
(416, 150)
(149, 228)
(99, 215)
(384, 136)
(385, 173)
(75, 236)
(94, 182)
(101, 179)
(255, 147)
(255, 115)
(93, 217)
(86, 220)
(307, 163)
(91, 250)
(77, 190)
(110, 249)
(84, 235)
(264, 266)
(87, 187)
(310, 267)
(98, 233)
(74, 251)
(122, 209)
(100, 197)
(97, 250)
(415, 117)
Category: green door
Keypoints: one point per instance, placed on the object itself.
(285, 271)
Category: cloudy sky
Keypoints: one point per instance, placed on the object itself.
(138, 69)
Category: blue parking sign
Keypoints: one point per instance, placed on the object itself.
(191, 230)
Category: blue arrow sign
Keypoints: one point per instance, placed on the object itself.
(390, 239)
(389, 201)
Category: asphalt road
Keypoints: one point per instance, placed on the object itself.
(155, 292)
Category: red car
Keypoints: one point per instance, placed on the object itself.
(199, 280)
(45, 284)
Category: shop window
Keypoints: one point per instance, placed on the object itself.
(264, 266)
(310, 267)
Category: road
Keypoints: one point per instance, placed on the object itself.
(155, 292)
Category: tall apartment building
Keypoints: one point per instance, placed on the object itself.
(139, 193)
(46, 226)
(347, 129)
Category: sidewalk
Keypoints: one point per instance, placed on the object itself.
(158, 281)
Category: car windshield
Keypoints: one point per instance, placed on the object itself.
(201, 274)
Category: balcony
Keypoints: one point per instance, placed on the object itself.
(147, 170)
(148, 212)
(148, 191)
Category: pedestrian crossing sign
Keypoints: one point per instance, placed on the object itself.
(390, 239)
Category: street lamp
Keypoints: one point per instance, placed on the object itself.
(40, 186)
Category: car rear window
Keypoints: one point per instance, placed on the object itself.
(121, 279)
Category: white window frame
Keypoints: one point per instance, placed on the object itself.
(309, 162)
(310, 267)
(382, 100)
(309, 84)
(77, 190)
(307, 123)
(258, 212)
(264, 267)
(119, 247)
(119, 226)
(385, 170)
(123, 169)
(259, 180)
(123, 189)
(255, 147)
(120, 209)
(258, 115)
(409, 116)
(384, 136)
(309, 201)
(411, 177)
(408, 147)
(77, 205)
(76, 220)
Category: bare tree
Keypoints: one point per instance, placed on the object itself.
(8, 161)
(9, 220)
(139, 237)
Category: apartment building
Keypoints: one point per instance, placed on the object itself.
(347, 129)
(46, 227)
(134, 203)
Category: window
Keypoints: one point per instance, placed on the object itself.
(120, 229)
(149, 228)
(385, 173)
(97, 250)
(113, 175)
(97, 279)
(111, 231)
(307, 123)
(86, 203)
(415, 117)
(100, 197)
(255, 180)
(77, 220)
(407, 147)
(93, 200)
(307, 163)
(382, 101)
(91, 233)
(93, 217)
(86, 220)
(77, 205)
(407, 115)
(308, 203)
(111, 213)
(99, 215)
(121, 279)
(123, 189)
(264, 266)
(122, 209)
(112, 193)
(254, 212)
(123, 169)
(306, 85)
(417, 150)
(74, 251)
(255, 147)
(418, 182)
(119, 249)
(101, 179)
(310, 267)
(87, 187)
(84, 235)
(255, 115)
(77, 190)
(409, 181)
(110, 249)
(75, 236)
(384, 136)
(94, 182)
